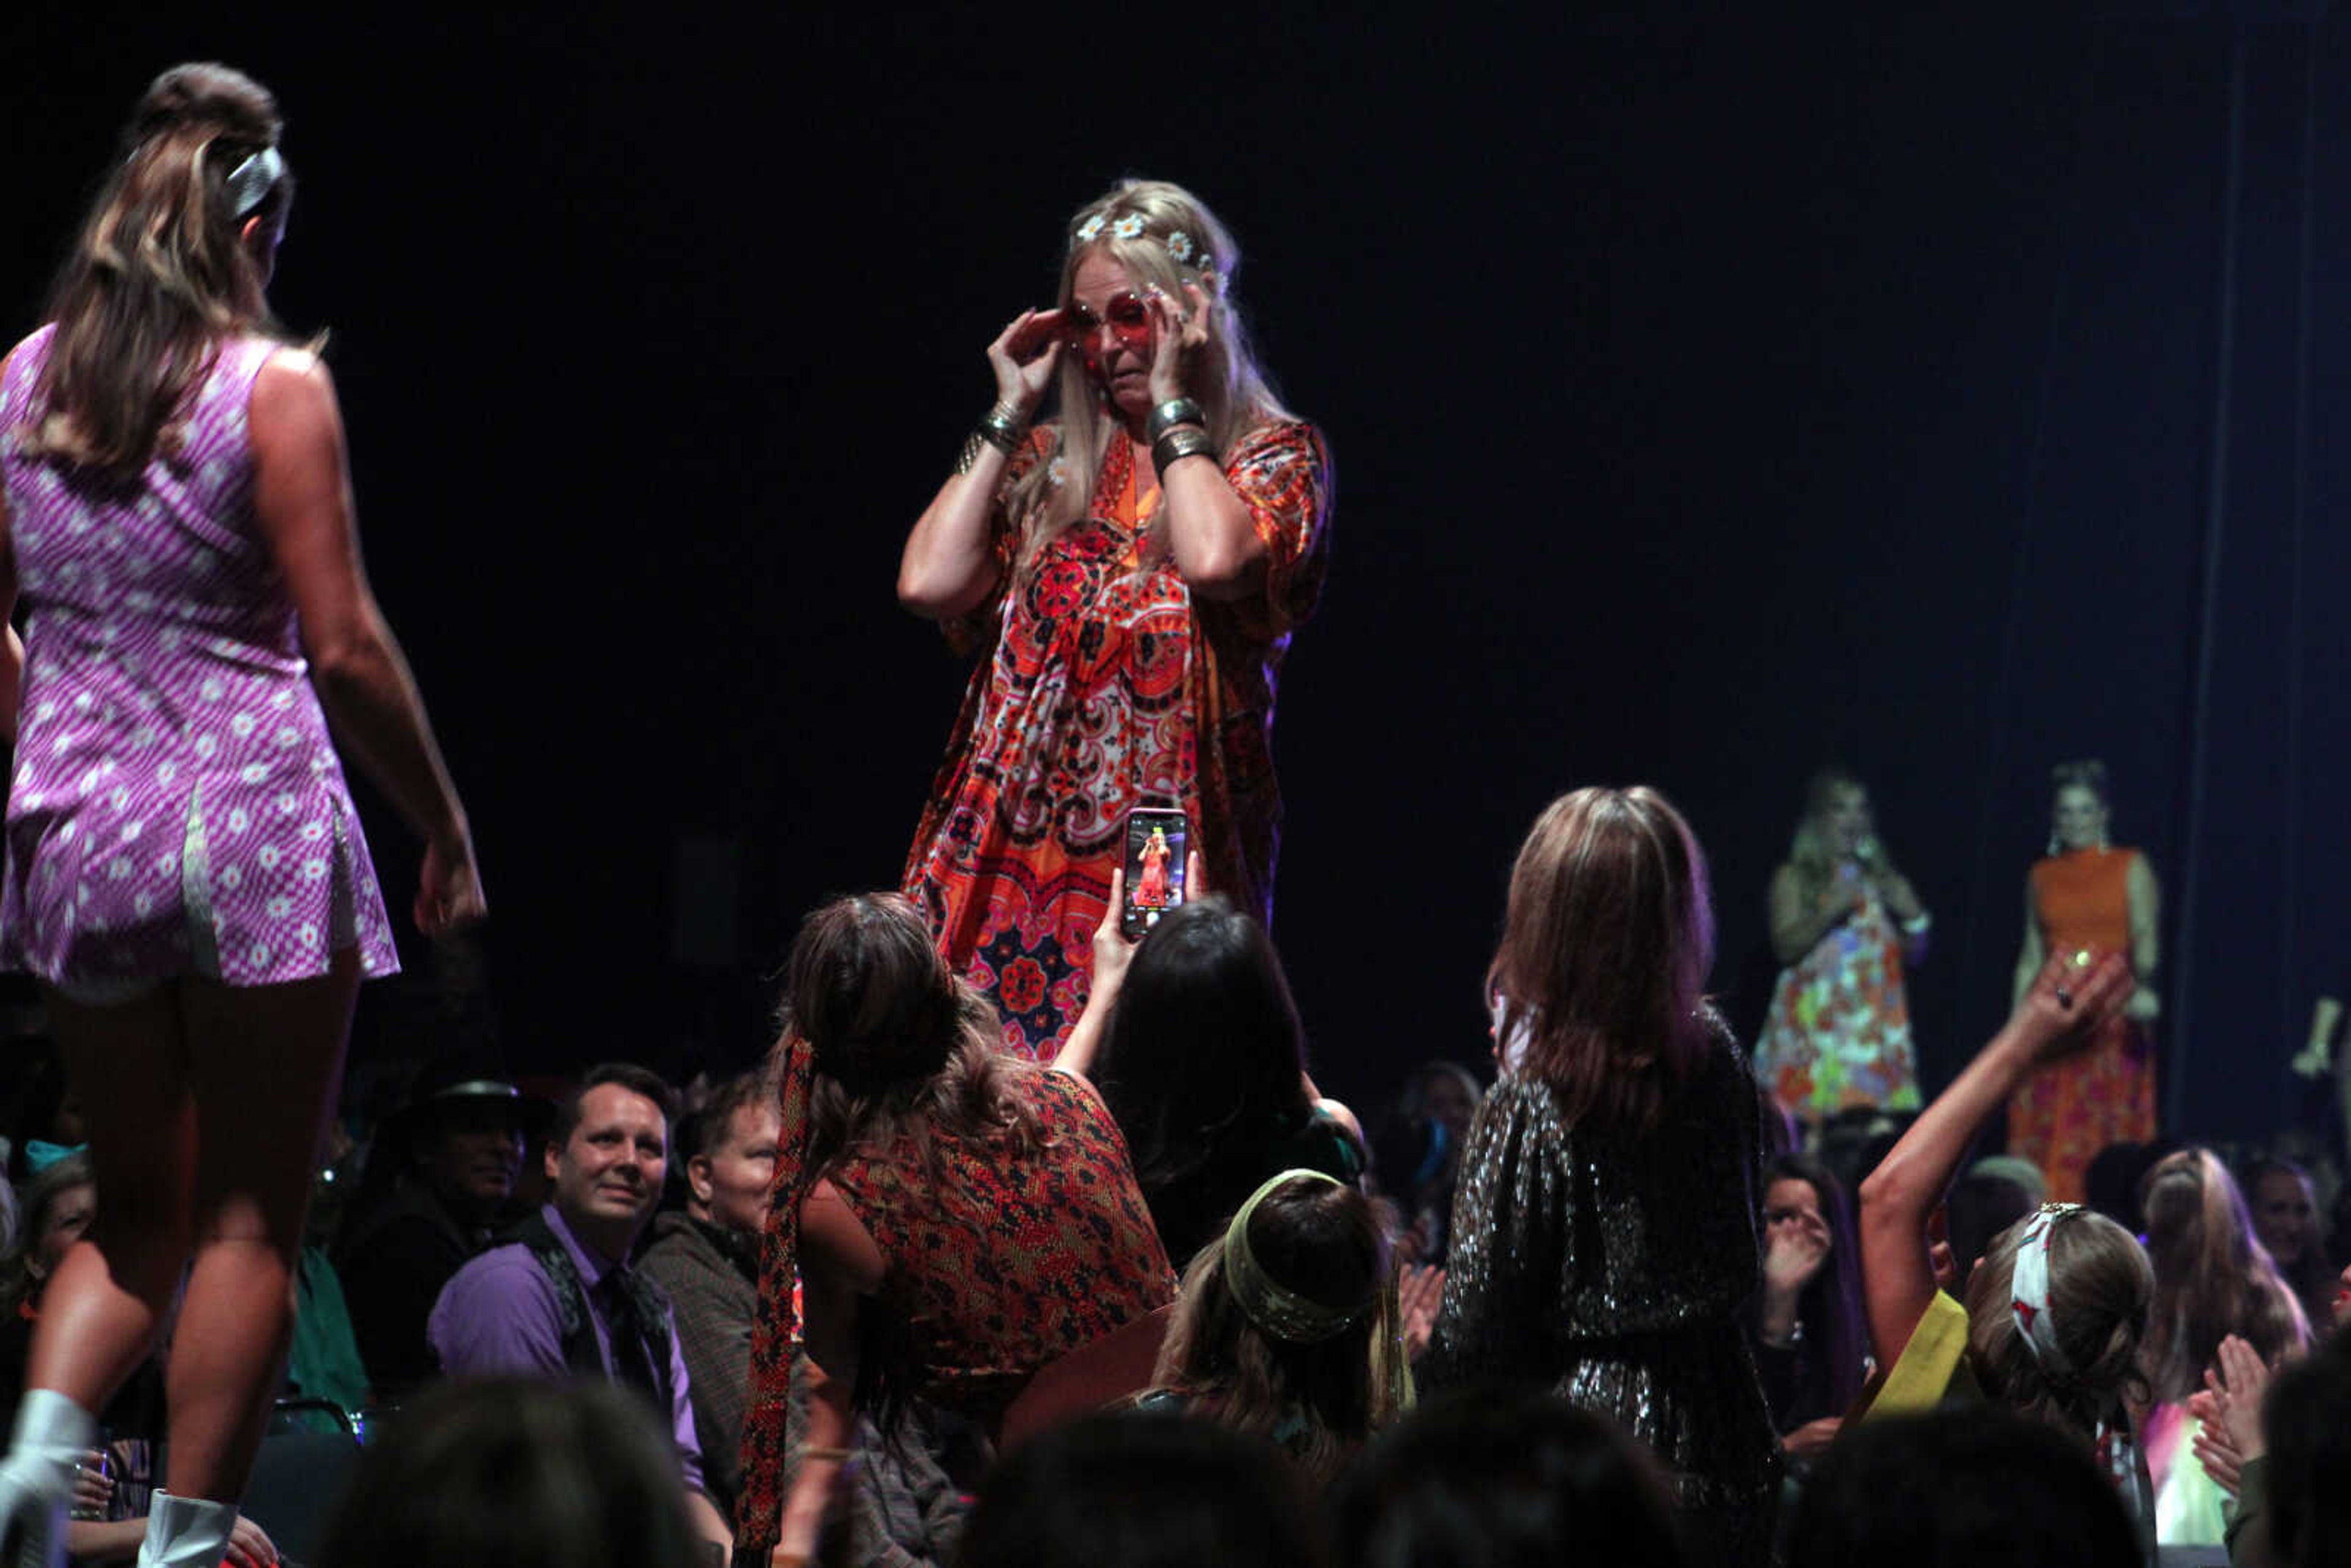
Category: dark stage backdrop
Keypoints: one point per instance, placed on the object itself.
(1710, 399)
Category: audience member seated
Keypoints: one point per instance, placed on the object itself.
(1416, 1155)
(1809, 1341)
(959, 1218)
(706, 1258)
(438, 1182)
(1605, 1239)
(1286, 1327)
(2286, 1218)
(1960, 1488)
(109, 1517)
(2212, 1279)
(1202, 1061)
(2057, 1308)
(520, 1473)
(1504, 1477)
(1142, 1492)
(561, 1298)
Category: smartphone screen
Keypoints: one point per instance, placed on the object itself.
(1156, 841)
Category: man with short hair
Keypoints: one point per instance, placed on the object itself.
(707, 1258)
(561, 1298)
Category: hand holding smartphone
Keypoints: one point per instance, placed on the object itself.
(1157, 843)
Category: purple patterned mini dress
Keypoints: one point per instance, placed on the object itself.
(176, 807)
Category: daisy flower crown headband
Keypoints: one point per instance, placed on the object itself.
(1181, 248)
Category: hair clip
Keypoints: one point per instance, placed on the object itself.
(250, 182)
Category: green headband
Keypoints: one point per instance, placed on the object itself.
(1274, 1308)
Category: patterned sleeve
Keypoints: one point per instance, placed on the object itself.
(975, 627)
(1283, 474)
(1511, 1226)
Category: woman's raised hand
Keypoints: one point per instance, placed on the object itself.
(2075, 993)
(1181, 328)
(1024, 357)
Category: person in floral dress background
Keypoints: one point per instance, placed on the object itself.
(1845, 923)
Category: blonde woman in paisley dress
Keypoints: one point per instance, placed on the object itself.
(185, 876)
(1130, 571)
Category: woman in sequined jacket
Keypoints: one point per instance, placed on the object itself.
(1604, 1233)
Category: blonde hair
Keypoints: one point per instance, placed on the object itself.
(2100, 1287)
(1224, 378)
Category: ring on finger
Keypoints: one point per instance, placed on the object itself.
(2064, 997)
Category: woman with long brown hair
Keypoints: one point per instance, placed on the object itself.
(958, 1218)
(2213, 1278)
(185, 874)
(1604, 1231)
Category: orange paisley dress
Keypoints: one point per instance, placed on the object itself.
(2071, 1108)
(1103, 686)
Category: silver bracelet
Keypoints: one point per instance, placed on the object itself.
(1179, 444)
(1176, 411)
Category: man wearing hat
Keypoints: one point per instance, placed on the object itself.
(455, 1151)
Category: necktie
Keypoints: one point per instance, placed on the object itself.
(632, 1361)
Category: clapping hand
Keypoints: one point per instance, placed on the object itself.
(1420, 1291)
(2229, 1413)
(1024, 358)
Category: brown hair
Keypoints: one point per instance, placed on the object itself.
(904, 1048)
(2088, 774)
(159, 276)
(2099, 1288)
(1321, 1239)
(2212, 1276)
(1607, 943)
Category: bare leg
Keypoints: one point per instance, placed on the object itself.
(262, 1066)
(100, 1313)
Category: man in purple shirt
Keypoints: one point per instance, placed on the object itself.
(560, 1300)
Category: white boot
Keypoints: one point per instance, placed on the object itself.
(186, 1531)
(53, 1435)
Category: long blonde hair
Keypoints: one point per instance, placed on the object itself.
(1224, 378)
(1808, 851)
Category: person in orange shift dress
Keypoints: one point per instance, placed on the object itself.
(2087, 895)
